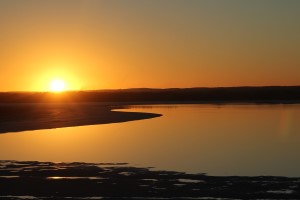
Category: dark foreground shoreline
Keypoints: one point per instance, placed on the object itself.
(47, 180)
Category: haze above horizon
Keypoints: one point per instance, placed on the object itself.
(113, 44)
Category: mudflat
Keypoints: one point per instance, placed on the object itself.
(35, 116)
(47, 180)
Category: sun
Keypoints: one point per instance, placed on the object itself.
(57, 85)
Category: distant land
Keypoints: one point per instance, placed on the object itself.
(266, 94)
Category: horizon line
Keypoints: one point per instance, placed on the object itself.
(150, 88)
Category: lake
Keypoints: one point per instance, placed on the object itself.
(221, 140)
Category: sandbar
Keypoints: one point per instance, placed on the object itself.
(36, 116)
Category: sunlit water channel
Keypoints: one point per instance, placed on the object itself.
(212, 139)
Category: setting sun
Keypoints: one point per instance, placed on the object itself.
(57, 86)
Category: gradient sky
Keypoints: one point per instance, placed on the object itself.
(103, 44)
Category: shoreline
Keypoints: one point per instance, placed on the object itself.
(77, 180)
(27, 117)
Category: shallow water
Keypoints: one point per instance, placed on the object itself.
(212, 139)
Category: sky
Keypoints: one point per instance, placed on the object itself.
(116, 44)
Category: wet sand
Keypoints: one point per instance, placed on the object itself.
(47, 180)
(25, 117)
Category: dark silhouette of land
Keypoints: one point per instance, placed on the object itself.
(46, 180)
(270, 94)
(34, 116)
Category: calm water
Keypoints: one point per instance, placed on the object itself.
(218, 140)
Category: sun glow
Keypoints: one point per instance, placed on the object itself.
(57, 85)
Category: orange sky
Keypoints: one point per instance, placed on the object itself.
(130, 44)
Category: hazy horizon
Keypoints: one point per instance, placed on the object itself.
(148, 88)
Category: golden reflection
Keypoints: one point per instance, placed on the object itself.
(55, 177)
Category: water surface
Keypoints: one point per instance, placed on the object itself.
(212, 139)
